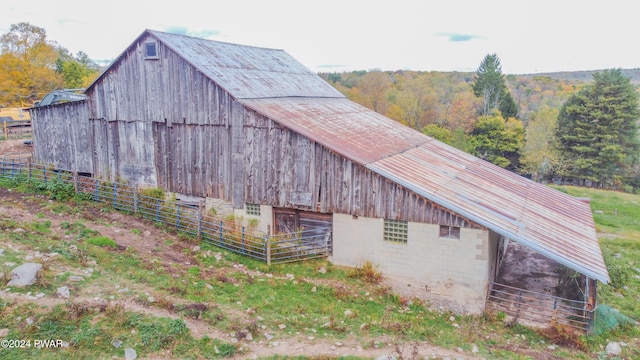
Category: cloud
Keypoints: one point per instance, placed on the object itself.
(182, 30)
(455, 37)
(330, 66)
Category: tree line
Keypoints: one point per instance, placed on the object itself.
(548, 129)
(568, 131)
(32, 66)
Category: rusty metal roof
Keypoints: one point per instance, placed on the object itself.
(550, 222)
(248, 71)
(275, 84)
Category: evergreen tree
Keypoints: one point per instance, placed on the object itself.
(598, 130)
(489, 85)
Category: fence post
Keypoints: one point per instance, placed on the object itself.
(200, 210)
(177, 217)
(44, 174)
(75, 181)
(220, 243)
(29, 176)
(115, 195)
(135, 201)
(96, 198)
(267, 245)
(243, 240)
(157, 217)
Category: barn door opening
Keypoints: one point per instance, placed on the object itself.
(307, 226)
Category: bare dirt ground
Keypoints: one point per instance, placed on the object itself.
(13, 146)
(27, 208)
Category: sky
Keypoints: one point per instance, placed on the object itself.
(343, 35)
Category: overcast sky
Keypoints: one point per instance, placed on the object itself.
(343, 35)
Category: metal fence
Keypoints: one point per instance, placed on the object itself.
(539, 308)
(188, 219)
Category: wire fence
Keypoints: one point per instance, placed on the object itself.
(231, 235)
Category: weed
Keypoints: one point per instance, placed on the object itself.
(101, 241)
(366, 272)
(136, 231)
(565, 336)
(227, 349)
(194, 271)
(42, 227)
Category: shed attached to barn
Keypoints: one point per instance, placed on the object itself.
(253, 131)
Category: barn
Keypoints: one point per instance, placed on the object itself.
(256, 134)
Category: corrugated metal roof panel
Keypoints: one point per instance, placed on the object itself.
(248, 71)
(554, 224)
(345, 127)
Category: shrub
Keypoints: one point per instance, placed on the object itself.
(366, 272)
(619, 272)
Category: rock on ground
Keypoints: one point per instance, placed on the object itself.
(25, 274)
(130, 354)
(613, 348)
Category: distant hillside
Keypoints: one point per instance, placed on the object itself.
(586, 76)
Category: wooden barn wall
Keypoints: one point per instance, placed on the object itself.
(194, 159)
(285, 169)
(164, 114)
(124, 151)
(167, 90)
(62, 136)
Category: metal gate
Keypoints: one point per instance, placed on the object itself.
(300, 235)
(538, 308)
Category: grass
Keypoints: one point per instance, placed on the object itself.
(617, 220)
(234, 294)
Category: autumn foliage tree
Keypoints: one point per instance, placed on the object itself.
(27, 65)
(497, 141)
(31, 66)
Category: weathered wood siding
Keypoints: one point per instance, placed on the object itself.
(161, 122)
(62, 136)
(285, 169)
(167, 90)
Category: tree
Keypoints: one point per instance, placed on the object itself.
(438, 132)
(598, 130)
(489, 85)
(540, 156)
(78, 71)
(497, 141)
(27, 65)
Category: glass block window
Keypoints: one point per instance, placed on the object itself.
(450, 232)
(396, 231)
(252, 209)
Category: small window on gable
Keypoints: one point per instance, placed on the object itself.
(396, 231)
(151, 50)
(449, 232)
(252, 209)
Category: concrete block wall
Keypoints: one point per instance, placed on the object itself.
(454, 268)
(222, 207)
(265, 219)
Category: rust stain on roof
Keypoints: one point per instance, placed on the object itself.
(552, 223)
